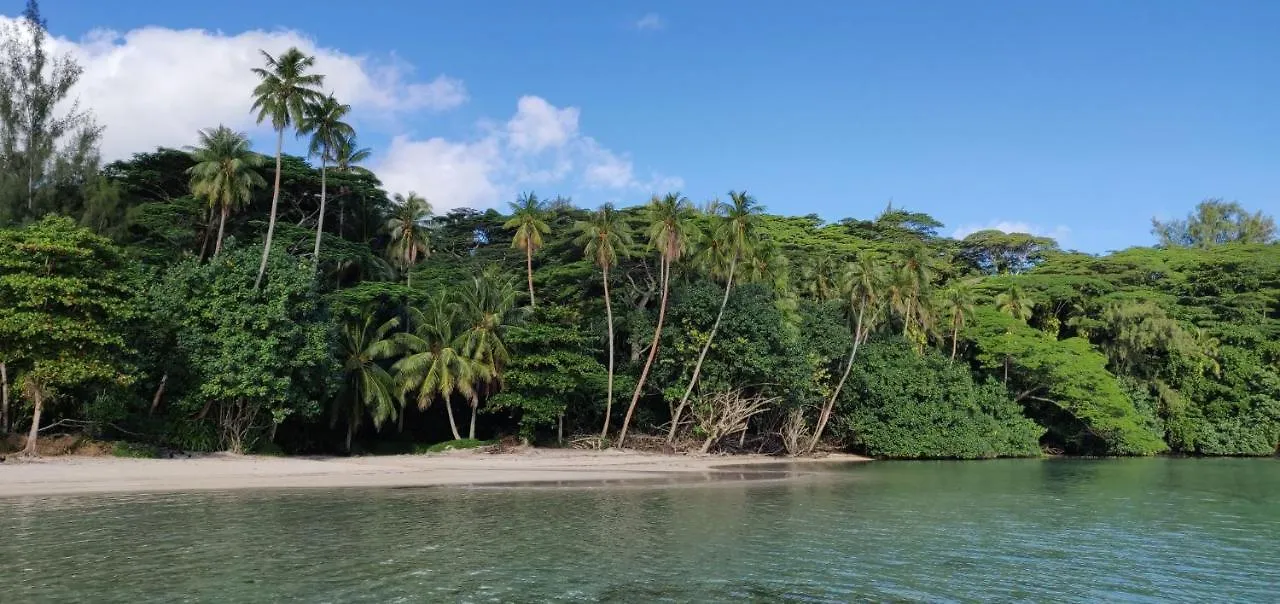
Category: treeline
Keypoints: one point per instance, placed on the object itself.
(214, 298)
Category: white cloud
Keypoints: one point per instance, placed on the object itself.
(539, 125)
(1059, 232)
(155, 86)
(650, 22)
(540, 146)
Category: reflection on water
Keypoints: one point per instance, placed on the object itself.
(1084, 531)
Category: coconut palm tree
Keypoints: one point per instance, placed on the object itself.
(529, 219)
(282, 96)
(734, 228)
(345, 155)
(603, 236)
(1015, 303)
(957, 303)
(323, 121)
(488, 308)
(367, 387)
(435, 365)
(225, 173)
(409, 234)
(818, 277)
(670, 229)
(862, 285)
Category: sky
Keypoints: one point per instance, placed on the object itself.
(1077, 119)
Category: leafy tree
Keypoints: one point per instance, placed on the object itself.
(1215, 222)
(368, 389)
(907, 405)
(255, 358)
(283, 95)
(410, 237)
(670, 229)
(65, 297)
(604, 237)
(47, 144)
(225, 173)
(995, 252)
(322, 119)
(734, 233)
(529, 219)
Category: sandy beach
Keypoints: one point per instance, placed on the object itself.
(80, 475)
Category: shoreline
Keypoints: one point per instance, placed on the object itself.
(73, 475)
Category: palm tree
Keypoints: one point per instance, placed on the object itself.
(528, 218)
(323, 121)
(670, 228)
(435, 365)
(818, 277)
(861, 284)
(603, 236)
(733, 226)
(409, 234)
(368, 387)
(282, 96)
(225, 173)
(957, 303)
(1015, 303)
(346, 155)
(487, 304)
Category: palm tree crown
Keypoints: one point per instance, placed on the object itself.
(225, 172)
(285, 88)
(368, 386)
(1015, 303)
(410, 237)
(528, 218)
(604, 236)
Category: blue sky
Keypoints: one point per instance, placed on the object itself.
(1080, 119)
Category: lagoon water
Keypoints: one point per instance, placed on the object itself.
(1140, 530)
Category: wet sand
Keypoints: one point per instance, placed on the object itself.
(80, 475)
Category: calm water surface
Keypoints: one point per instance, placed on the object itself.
(1141, 530)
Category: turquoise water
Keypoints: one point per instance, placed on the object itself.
(1141, 530)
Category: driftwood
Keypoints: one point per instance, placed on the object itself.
(728, 413)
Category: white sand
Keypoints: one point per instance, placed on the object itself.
(72, 475)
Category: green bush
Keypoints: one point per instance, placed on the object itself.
(136, 450)
(901, 404)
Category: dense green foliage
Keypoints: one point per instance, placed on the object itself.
(175, 299)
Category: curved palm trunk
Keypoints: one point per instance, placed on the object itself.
(271, 223)
(453, 425)
(702, 355)
(222, 227)
(955, 338)
(528, 262)
(475, 405)
(825, 416)
(608, 313)
(320, 221)
(208, 230)
(35, 422)
(653, 352)
(351, 425)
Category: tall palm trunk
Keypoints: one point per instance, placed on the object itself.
(653, 352)
(955, 338)
(208, 230)
(453, 425)
(702, 355)
(275, 201)
(320, 221)
(528, 262)
(825, 416)
(38, 398)
(4, 398)
(608, 313)
(475, 405)
(351, 426)
(222, 227)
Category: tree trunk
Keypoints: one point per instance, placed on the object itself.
(271, 223)
(471, 431)
(4, 398)
(826, 409)
(351, 427)
(155, 400)
(453, 425)
(404, 410)
(955, 339)
(30, 450)
(320, 222)
(653, 352)
(528, 262)
(702, 355)
(222, 226)
(560, 430)
(204, 243)
(608, 313)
